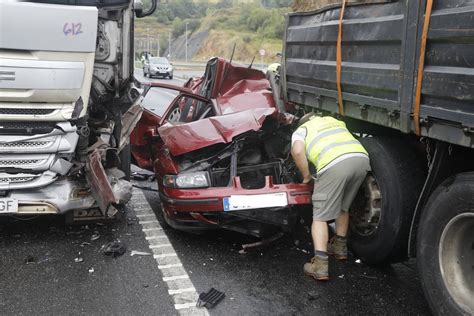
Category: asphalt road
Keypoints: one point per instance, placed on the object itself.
(49, 268)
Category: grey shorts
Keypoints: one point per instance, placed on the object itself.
(336, 188)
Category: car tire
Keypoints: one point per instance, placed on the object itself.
(445, 253)
(144, 74)
(382, 211)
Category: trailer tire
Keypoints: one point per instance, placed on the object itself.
(445, 253)
(382, 211)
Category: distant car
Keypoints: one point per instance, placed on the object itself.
(158, 67)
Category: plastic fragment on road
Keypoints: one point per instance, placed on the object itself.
(139, 253)
(95, 236)
(78, 259)
(114, 249)
(210, 298)
(341, 276)
(29, 260)
(357, 261)
(91, 270)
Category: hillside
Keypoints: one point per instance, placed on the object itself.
(214, 28)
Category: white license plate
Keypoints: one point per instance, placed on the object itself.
(248, 202)
(8, 206)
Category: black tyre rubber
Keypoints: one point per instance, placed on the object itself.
(452, 201)
(144, 73)
(126, 162)
(399, 174)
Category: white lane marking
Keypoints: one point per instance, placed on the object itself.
(154, 221)
(164, 255)
(183, 306)
(145, 215)
(168, 266)
(174, 292)
(152, 229)
(179, 285)
(156, 237)
(176, 277)
(160, 246)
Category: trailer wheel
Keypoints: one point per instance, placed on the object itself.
(445, 247)
(383, 208)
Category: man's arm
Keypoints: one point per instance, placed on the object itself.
(299, 156)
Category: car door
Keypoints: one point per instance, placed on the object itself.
(186, 107)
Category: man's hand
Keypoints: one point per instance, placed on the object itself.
(299, 156)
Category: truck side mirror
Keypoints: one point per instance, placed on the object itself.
(138, 7)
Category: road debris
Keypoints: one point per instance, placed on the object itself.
(341, 276)
(91, 270)
(114, 249)
(95, 236)
(313, 296)
(78, 259)
(139, 253)
(262, 242)
(29, 260)
(85, 243)
(357, 261)
(210, 298)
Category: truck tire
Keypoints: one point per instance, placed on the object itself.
(381, 214)
(126, 162)
(445, 247)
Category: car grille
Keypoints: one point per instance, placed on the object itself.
(14, 111)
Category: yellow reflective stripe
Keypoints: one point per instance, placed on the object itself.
(321, 136)
(334, 145)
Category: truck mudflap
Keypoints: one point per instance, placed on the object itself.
(107, 187)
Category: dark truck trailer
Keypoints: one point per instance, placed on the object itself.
(419, 198)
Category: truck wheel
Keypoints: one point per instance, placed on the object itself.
(381, 214)
(126, 162)
(445, 247)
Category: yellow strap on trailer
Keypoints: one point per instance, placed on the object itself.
(421, 67)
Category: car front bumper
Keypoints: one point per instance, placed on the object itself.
(186, 206)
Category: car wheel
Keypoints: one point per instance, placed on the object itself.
(171, 77)
(381, 214)
(445, 247)
(144, 74)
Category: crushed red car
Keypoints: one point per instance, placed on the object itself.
(221, 153)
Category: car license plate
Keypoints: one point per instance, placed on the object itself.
(248, 202)
(8, 206)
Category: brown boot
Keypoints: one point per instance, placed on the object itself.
(317, 268)
(338, 248)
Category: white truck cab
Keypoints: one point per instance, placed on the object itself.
(68, 101)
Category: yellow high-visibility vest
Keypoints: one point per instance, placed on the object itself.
(327, 139)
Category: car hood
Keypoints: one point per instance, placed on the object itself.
(181, 138)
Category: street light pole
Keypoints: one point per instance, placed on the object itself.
(169, 45)
(186, 50)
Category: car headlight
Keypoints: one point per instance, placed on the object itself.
(187, 180)
(170, 68)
